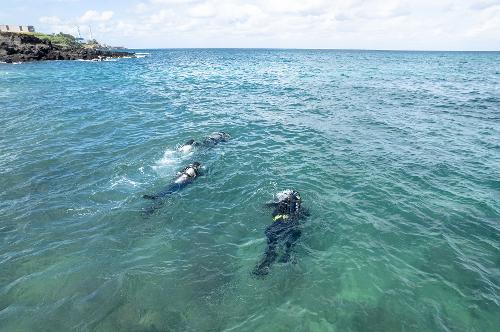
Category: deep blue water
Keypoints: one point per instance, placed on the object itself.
(396, 155)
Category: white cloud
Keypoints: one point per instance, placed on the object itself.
(161, 17)
(174, 2)
(95, 16)
(203, 10)
(140, 8)
(395, 24)
(488, 22)
(101, 23)
(484, 4)
(295, 6)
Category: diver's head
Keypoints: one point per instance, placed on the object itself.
(288, 195)
(187, 147)
(191, 171)
(289, 202)
(284, 195)
(225, 136)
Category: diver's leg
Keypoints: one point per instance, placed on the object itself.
(289, 244)
(167, 191)
(171, 189)
(270, 256)
(157, 201)
(150, 210)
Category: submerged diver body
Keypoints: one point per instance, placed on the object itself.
(185, 177)
(284, 232)
(189, 173)
(209, 142)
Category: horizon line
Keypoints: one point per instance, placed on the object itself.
(305, 49)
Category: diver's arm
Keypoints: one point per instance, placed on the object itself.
(271, 205)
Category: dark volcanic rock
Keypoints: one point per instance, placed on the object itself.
(20, 47)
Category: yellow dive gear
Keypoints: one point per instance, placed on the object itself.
(281, 217)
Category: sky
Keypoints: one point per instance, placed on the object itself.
(347, 24)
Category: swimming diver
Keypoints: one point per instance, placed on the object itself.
(284, 231)
(209, 142)
(185, 177)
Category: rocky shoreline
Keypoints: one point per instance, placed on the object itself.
(19, 47)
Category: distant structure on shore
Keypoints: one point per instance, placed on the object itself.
(16, 28)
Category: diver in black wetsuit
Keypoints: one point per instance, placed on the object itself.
(185, 177)
(284, 231)
(215, 138)
(209, 142)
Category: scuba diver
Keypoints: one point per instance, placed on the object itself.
(209, 142)
(185, 177)
(284, 231)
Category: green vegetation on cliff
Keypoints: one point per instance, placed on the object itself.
(60, 39)
(66, 40)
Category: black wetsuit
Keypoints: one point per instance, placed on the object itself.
(191, 142)
(213, 140)
(210, 141)
(175, 187)
(282, 234)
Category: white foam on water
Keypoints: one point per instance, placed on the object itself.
(169, 157)
(97, 60)
(82, 211)
(169, 162)
(124, 181)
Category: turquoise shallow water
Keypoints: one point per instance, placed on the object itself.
(396, 155)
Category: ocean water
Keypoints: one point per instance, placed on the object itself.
(396, 155)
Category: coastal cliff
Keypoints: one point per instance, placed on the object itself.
(21, 47)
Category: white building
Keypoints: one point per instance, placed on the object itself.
(16, 28)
